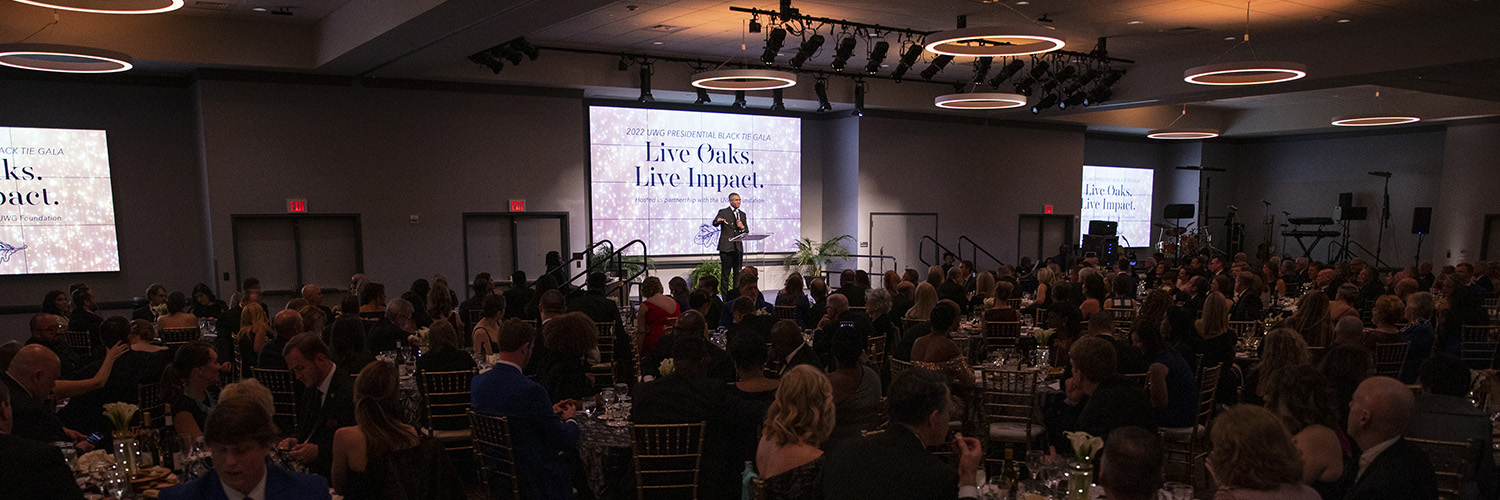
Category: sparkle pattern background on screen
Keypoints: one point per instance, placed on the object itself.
(677, 220)
(1135, 221)
(82, 236)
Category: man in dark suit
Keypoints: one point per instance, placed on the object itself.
(288, 324)
(850, 288)
(895, 464)
(1247, 306)
(47, 331)
(543, 432)
(31, 469)
(1098, 399)
(313, 294)
(469, 311)
(239, 433)
(391, 331)
(731, 222)
(748, 287)
(518, 296)
(230, 320)
(29, 379)
(85, 316)
(686, 395)
(156, 295)
(326, 404)
(951, 289)
(789, 349)
(839, 312)
(1390, 467)
(749, 321)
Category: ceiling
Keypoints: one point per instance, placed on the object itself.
(1437, 56)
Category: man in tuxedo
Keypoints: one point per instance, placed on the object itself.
(1098, 399)
(239, 433)
(747, 287)
(747, 321)
(392, 330)
(839, 312)
(544, 433)
(156, 295)
(731, 222)
(288, 324)
(895, 464)
(31, 469)
(1390, 467)
(789, 349)
(327, 403)
(1247, 306)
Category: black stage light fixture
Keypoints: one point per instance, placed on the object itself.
(777, 104)
(488, 60)
(526, 48)
(624, 64)
(1073, 99)
(1007, 71)
(907, 61)
(806, 50)
(821, 88)
(1110, 77)
(1098, 95)
(703, 97)
(646, 84)
(938, 63)
(982, 68)
(774, 42)
(859, 98)
(1047, 101)
(755, 25)
(843, 52)
(1039, 68)
(1024, 86)
(1064, 74)
(877, 56)
(739, 99)
(512, 55)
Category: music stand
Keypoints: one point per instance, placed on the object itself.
(758, 237)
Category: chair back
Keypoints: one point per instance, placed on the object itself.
(1203, 413)
(152, 398)
(1041, 317)
(786, 312)
(494, 454)
(876, 352)
(757, 488)
(1001, 335)
(908, 323)
(176, 337)
(283, 387)
(604, 370)
(1453, 462)
(445, 396)
(1390, 358)
(858, 309)
(1122, 315)
(1015, 303)
(1244, 329)
(1010, 396)
(1478, 344)
(1140, 379)
(667, 458)
(898, 367)
(81, 342)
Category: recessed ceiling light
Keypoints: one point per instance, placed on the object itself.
(259, 9)
(1135, 22)
(1245, 73)
(1023, 3)
(657, 43)
(62, 58)
(1343, 20)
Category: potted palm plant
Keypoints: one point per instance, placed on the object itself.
(812, 257)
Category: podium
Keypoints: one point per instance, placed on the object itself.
(759, 238)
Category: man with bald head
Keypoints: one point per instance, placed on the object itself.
(31, 469)
(313, 294)
(287, 325)
(29, 378)
(47, 331)
(1389, 467)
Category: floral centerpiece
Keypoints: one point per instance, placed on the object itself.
(126, 452)
(1081, 469)
(666, 367)
(1043, 336)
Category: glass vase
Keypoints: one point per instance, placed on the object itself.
(127, 452)
(1080, 480)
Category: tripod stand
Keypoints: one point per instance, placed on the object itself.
(1385, 220)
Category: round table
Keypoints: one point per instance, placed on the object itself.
(606, 451)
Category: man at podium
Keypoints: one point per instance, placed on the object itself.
(731, 222)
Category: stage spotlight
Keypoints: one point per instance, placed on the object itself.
(843, 52)
(938, 63)
(488, 60)
(1024, 86)
(624, 63)
(512, 55)
(982, 69)
(755, 25)
(859, 98)
(821, 88)
(646, 84)
(739, 99)
(806, 50)
(1007, 71)
(703, 96)
(1098, 95)
(1110, 77)
(774, 42)
(526, 48)
(777, 104)
(1073, 99)
(877, 56)
(907, 60)
(1039, 68)
(1047, 101)
(1064, 74)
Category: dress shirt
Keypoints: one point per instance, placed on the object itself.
(1372, 453)
(257, 493)
(323, 389)
(789, 357)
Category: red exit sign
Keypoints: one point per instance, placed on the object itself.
(1047, 209)
(296, 206)
(518, 205)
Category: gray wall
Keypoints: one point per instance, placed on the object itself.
(1466, 193)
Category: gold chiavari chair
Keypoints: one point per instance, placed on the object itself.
(875, 352)
(446, 398)
(1010, 408)
(1478, 344)
(81, 342)
(1390, 358)
(1015, 303)
(176, 337)
(786, 312)
(899, 367)
(1244, 329)
(495, 454)
(1126, 316)
(283, 387)
(1041, 318)
(1453, 462)
(604, 369)
(1001, 335)
(152, 398)
(1188, 446)
(667, 458)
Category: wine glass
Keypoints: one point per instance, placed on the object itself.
(1034, 460)
(116, 484)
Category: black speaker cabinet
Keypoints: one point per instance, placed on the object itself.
(1346, 199)
(1107, 248)
(1351, 213)
(1421, 220)
(1103, 227)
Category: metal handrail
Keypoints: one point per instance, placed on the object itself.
(977, 249)
(828, 274)
(922, 242)
(584, 255)
(620, 268)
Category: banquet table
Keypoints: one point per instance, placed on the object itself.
(605, 451)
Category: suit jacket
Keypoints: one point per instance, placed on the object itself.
(803, 356)
(676, 399)
(540, 437)
(32, 419)
(888, 465)
(384, 336)
(758, 325)
(34, 470)
(280, 484)
(317, 420)
(1400, 472)
(1247, 307)
(729, 230)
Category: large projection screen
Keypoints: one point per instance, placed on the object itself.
(1119, 194)
(660, 176)
(57, 210)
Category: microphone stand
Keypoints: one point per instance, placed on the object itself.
(1385, 219)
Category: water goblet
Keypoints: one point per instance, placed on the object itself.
(1034, 460)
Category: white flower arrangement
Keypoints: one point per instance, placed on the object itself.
(666, 367)
(1043, 336)
(1085, 445)
(120, 414)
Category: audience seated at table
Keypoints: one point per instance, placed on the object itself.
(132, 362)
(938, 352)
(1097, 398)
(999, 309)
(1207, 342)
(684, 396)
(187, 384)
(895, 463)
(878, 310)
(486, 334)
(791, 295)
(1444, 412)
(382, 458)
(443, 354)
(735, 429)
(1253, 458)
(347, 342)
(395, 325)
(849, 286)
(545, 435)
(1129, 359)
(1171, 380)
(239, 433)
(1386, 313)
(1312, 319)
(565, 372)
(1345, 367)
(856, 388)
(1281, 348)
(1419, 333)
(1390, 467)
(1095, 296)
(745, 319)
(47, 331)
(1463, 310)
(788, 457)
(326, 404)
(840, 313)
(175, 314)
(30, 379)
(656, 309)
(1247, 298)
(904, 298)
(287, 324)
(31, 469)
(1130, 468)
(692, 324)
(1303, 400)
(789, 348)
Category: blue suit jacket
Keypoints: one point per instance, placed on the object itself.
(540, 437)
(280, 484)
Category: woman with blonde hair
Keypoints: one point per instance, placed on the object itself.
(1281, 348)
(926, 300)
(788, 458)
(254, 329)
(1044, 277)
(1311, 319)
(381, 457)
(936, 275)
(1387, 312)
(1253, 457)
(984, 288)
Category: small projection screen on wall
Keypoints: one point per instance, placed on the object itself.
(57, 212)
(661, 175)
(1119, 194)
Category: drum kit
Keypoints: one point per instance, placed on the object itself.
(1172, 238)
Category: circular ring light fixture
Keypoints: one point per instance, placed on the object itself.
(63, 58)
(1373, 120)
(1183, 133)
(744, 79)
(1245, 73)
(110, 6)
(992, 42)
(980, 100)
